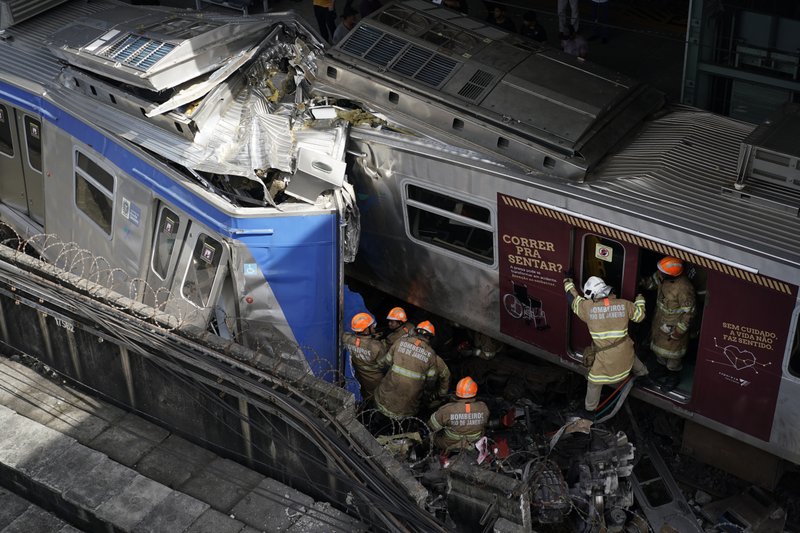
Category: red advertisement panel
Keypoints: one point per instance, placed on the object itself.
(534, 253)
(744, 335)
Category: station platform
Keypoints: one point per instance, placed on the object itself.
(87, 465)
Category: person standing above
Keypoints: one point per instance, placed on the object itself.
(348, 23)
(325, 13)
(607, 319)
(399, 326)
(498, 17)
(574, 19)
(459, 424)
(600, 18)
(365, 353)
(531, 27)
(675, 308)
(412, 363)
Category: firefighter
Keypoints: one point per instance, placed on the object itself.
(412, 363)
(675, 308)
(365, 353)
(399, 326)
(460, 423)
(607, 318)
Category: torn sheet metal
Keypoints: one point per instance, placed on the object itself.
(202, 87)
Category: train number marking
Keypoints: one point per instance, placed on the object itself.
(66, 324)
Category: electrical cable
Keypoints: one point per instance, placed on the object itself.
(129, 339)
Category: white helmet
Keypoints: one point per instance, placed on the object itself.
(595, 288)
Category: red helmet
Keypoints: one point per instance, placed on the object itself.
(671, 266)
(398, 314)
(361, 322)
(466, 388)
(427, 327)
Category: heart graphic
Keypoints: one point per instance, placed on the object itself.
(739, 359)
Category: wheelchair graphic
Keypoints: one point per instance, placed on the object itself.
(518, 304)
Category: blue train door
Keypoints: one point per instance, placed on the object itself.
(168, 237)
(201, 269)
(12, 186)
(30, 128)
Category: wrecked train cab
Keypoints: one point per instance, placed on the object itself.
(174, 155)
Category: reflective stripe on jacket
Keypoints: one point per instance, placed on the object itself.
(412, 363)
(607, 320)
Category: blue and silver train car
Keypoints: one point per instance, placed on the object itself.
(180, 151)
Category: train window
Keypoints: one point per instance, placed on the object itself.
(6, 143)
(33, 140)
(200, 275)
(450, 223)
(448, 203)
(94, 191)
(603, 258)
(168, 224)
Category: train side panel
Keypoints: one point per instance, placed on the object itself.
(94, 203)
(742, 345)
(534, 258)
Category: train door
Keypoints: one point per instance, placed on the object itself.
(31, 128)
(199, 275)
(170, 229)
(12, 184)
(698, 276)
(613, 261)
(742, 347)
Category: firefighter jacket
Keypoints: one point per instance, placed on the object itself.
(365, 354)
(458, 424)
(412, 362)
(673, 315)
(404, 330)
(607, 320)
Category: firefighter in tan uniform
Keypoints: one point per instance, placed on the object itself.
(459, 424)
(675, 308)
(399, 326)
(365, 353)
(412, 363)
(607, 318)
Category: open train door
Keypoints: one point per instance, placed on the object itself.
(614, 261)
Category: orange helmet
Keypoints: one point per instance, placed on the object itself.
(361, 322)
(427, 327)
(398, 314)
(671, 266)
(466, 388)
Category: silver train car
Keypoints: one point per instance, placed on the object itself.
(503, 164)
(163, 151)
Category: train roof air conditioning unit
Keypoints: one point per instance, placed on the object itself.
(153, 49)
(15, 11)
